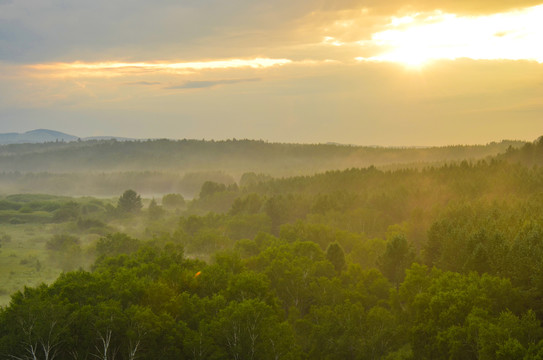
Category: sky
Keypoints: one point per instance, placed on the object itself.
(365, 72)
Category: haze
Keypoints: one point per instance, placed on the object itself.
(358, 72)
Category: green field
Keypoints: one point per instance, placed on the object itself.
(23, 259)
(27, 222)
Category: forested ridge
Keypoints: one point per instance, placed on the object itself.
(144, 155)
(104, 168)
(442, 262)
(529, 154)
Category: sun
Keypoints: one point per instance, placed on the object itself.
(417, 40)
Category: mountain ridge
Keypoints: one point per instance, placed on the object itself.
(38, 136)
(35, 136)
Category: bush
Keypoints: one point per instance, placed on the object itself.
(173, 200)
(62, 242)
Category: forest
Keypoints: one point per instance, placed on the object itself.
(106, 168)
(436, 261)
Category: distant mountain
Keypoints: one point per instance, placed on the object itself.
(36, 136)
(44, 135)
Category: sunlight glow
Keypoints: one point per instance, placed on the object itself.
(419, 39)
(120, 68)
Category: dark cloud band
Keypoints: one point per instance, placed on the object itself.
(209, 84)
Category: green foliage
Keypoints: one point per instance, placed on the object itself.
(173, 201)
(65, 251)
(336, 256)
(91, 224)
(115, 244)
(68, 211)
(129, 202)
(249, 179)
(499, 239)
(62, 242)
(445, 310)
(285, 301)
(250, 329)
(529, 154)
(154, 210)
(250, 204)
(9, 205)
(209, 188)
(398, 256)
(308, 267)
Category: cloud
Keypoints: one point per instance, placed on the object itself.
(111, 69)
(209, 84)
(143, 83)
(138, 30)
(390, 7)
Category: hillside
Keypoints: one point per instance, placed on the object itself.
(35, 136)
(530, 154)
(234, 156)
(105, 168)
(41, 136)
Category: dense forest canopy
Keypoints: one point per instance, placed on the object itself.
(440, 262)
